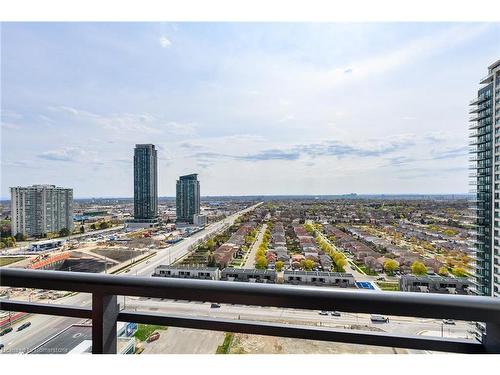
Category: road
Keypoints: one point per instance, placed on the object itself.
(43, 327)
(396, 325)
(250, 260)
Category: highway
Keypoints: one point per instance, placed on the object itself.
(43, 327)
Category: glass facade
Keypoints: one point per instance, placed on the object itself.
(187, 198)
(145, 183)
(485, 180)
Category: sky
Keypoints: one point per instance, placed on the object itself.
(253, 108)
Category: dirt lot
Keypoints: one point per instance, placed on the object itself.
(184, 341)
(254, 344)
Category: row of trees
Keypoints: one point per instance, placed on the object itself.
(260, 256)
(419, 269)
(337, 257)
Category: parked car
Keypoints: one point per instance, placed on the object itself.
(379, 319)
(449, 321)
(335, 313)
(155, 336)
(23, 326)
(5, 331)
(214, 306)
(323, 312)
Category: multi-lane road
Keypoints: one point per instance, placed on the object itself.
(43, 327)
(396, 324)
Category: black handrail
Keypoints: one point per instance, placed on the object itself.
(105, 288)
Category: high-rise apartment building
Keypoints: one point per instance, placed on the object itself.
(40, 209)
(485, 175)
(187, 198)
(145, 184)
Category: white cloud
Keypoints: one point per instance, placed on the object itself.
(65, 154)
(164, 42)
(287, 118)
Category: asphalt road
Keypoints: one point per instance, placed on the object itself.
(44, 327)
(396, 325)
(250, 260)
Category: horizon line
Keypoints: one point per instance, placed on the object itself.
(277, 195)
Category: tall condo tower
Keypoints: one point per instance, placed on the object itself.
(145, 184)
(187, 198)
(40, 209)
(485, 180)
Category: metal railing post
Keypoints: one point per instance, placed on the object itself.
(105, 311)
(491, 338)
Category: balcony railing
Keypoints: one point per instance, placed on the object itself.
(105, 310)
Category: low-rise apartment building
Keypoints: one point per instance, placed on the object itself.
(319, 278)
(434, 284)
(248, 275)
(187, 272)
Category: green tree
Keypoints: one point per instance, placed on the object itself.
(279, 265)
(92, 226)
(104, 225)
(418, 268)
(249, 240)
(459, 272)
(390, 265)
(260, 253)
(307, 264)
(8, 241)
(20, 237)
(309, 228)
(261, 263)
(340, 264)
(64, 232)
(443, 271)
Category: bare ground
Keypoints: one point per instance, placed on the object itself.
(255, 344)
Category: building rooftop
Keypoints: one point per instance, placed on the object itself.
(192, 176)
(433, 277)
(248, 271)
(318, 273)
(194, 268)
(494, 65)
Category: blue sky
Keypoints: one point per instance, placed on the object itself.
(253, 108)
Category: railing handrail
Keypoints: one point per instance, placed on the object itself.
(460, 307)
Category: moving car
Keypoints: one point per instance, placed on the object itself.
(323, 312)
(448, 321)
(214, 306)
(379, 319)
(5, 331)
(23, 326)
(335, 313)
